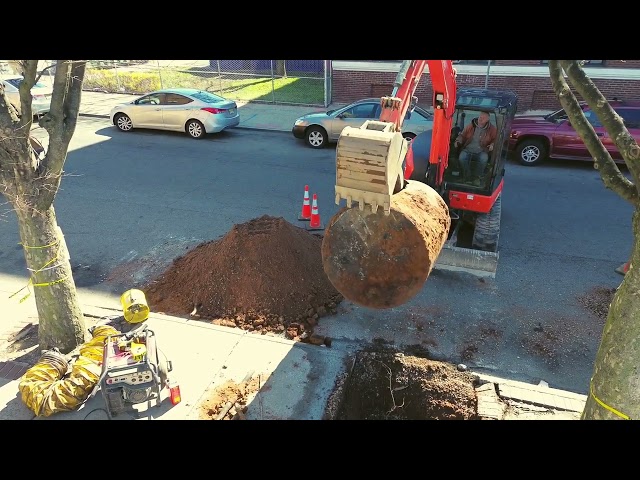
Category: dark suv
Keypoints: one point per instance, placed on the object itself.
(534, 138)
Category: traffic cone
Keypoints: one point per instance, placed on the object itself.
(623, 269)
(315, 223)
(305, 215)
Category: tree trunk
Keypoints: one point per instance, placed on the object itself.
(615, 384)
(61, 323)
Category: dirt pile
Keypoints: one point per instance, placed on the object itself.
(263, 275)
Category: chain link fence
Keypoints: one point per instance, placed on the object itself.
(297, 82)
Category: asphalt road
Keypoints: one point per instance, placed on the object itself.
(142, 196)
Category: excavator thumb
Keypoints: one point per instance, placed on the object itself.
(369, 165)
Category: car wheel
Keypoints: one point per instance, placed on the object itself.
(316, 137)
(531, 152)
(123, 122)
(195, 129)
(409, 136)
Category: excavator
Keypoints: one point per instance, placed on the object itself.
(414, 215)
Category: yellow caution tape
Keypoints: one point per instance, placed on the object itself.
(605, 406)
(34, 272)
(43, 246)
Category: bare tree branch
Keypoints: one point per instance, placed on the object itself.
(65, 104)
(612, 122)
(60, 123)
(72, 101)
(611, 176)
(43, 71)
(29, 69)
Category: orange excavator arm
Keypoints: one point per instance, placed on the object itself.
(369, 159)
(395, 107)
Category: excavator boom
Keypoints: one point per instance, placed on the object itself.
(369, 158)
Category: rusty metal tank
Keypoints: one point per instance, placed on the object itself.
(380, 260)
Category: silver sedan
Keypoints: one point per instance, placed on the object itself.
(40, 94)
(196, 112)
(319, 129)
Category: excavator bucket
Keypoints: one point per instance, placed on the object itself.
(369, 165)
(476, 262)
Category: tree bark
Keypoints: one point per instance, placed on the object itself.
(61, 323)
(614, 389)
(614, 392)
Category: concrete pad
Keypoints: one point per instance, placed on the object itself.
(299, 388)
(296, 379)
(11, 405)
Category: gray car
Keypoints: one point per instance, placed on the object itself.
(319, 129)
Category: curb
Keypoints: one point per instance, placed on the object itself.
(98, 115)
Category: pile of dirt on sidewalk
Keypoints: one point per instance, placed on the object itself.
(264, 275)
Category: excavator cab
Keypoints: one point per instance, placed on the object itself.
(475, 204)
(501, 106)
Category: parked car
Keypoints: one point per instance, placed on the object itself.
(196, 112)
(319, 129)
(40, 94)
(535, 138)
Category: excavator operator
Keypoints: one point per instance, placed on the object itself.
(476, 139)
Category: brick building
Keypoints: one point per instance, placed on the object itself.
(529, 79)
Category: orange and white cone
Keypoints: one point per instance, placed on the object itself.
(623, 269)
(315, 223)
(305, 214)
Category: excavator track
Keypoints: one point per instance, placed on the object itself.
(487, 230)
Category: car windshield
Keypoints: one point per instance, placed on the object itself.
(17, 81)
(425, 113)
(557, 116)
(207, 97)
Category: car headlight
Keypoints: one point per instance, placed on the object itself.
(299, 121)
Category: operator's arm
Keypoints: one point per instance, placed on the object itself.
(464, 134)
(492, 134)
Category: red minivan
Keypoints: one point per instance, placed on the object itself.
(535, 138)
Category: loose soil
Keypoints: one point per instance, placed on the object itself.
(387, 384)
(597, 301)
(265, 275)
